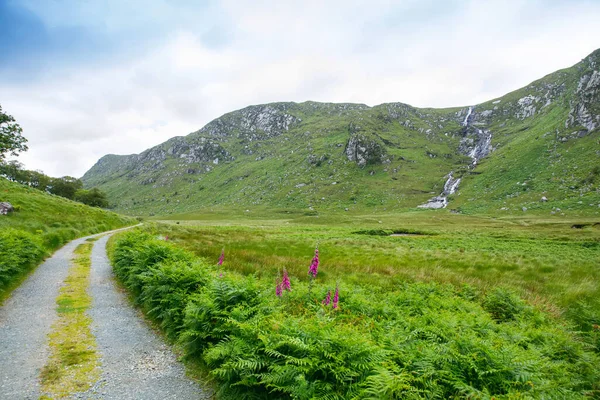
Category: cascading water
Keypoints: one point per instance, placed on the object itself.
(441, 201)
(481, 148)
(466, 121)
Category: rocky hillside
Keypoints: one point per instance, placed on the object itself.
(536, 148)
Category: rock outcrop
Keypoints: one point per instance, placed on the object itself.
(585, 109)
(5, 208)
(364, 150)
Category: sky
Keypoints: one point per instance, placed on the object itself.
(85, 78)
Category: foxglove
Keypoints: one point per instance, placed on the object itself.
(285, 282)
(336, 298)
(221, 258)
(314, 265)
(327, 299)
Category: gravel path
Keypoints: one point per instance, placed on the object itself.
(136, 363)
(25, 320)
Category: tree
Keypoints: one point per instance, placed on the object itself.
(65, 186)
(12, 170)
(11, 138)
(39, 180)
(93, 197)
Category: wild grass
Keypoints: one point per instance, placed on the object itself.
(41, 224)
(73, 365)
(393, 336)
(545, 260)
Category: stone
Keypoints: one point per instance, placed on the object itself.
(5, 208)
(363, 150)
(544, 199)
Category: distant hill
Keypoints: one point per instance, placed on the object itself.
(534, 149)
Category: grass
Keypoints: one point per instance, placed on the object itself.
(41, 224)
(306, 167)
(546, 260)
(73, 365)
(393, 336)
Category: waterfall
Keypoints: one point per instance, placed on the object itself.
(441, 201)
(466, 121)
(481, 148)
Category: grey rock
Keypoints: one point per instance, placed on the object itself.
(363, 150)
(6, 207)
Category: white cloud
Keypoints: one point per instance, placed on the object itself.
(340, 51)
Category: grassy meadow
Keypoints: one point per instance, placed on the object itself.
(431, 304)
(545, 260)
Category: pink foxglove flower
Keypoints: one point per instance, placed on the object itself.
(314, 265)
(166, 237)
(278, 290)
(327, 299)
(221, 258)
(336, 298)
(285, 282)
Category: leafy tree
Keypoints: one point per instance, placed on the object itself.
(93, 197)
(65, 186)
(12, 170)
(39, 180)
(11, 138)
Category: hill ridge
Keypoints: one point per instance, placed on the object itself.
(425, 148)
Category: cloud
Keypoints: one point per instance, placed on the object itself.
(175, 68)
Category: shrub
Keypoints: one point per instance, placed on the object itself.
(419, 340)
(503, 305)
(19, 251)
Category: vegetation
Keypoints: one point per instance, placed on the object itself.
(42, 223)
(65, 186)
(551, 262)
(93, 197)
(11, 138)
(501, 336)
(542, 160)
(73, 364)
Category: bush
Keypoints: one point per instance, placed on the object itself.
(19, 252)
(417, 341)
(503, 305)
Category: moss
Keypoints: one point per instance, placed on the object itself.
(73, 365)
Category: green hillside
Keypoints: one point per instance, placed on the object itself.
(535, 148)
(42, 223)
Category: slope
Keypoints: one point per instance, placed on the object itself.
(322, 156)
(41, 224)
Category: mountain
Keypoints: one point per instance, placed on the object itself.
(534, 149)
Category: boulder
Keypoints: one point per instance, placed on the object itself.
(364, 150)
(5, 208)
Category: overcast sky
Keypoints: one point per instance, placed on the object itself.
(85, 78)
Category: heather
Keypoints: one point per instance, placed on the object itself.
(404, 339)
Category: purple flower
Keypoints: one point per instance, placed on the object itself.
(278, 290)
(314, 265)
(336, 298)
(221, 258)
(285, 282)
(327, 299)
